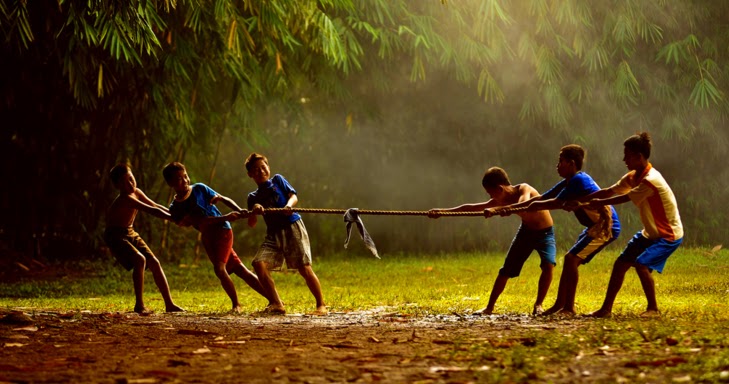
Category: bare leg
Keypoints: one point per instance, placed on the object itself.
(228, 285)
(571, 275)
(616, 282)
(649, 287)
(251, 279)
(545, 280)
(138, 278)
(496, 291)
(269, 287)
(559, 302)
(161, 281)
(312, 281)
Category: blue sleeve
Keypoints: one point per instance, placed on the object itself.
(579, 186)
(251, 201)
(284, 185)
(554, 191)
(206, 191)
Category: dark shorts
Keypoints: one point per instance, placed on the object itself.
(525, 241)
(218, 243)
(126, 245)
(651, 253)
(290, 244)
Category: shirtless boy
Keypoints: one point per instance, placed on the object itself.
(126, 245)
(535, 233)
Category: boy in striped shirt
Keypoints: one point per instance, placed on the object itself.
(662, 231)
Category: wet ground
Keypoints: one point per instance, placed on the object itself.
(372, 346)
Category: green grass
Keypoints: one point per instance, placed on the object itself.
(692, 295)
(695, 284)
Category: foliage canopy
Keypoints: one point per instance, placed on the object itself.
(89, 83)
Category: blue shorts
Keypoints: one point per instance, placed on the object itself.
(651, 253)
(525, 241)
(586, 247)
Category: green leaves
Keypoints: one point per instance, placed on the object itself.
(626, 85)
(673, 52)
(163, 72)
(488, 88)
(15, 23)
(705, 93)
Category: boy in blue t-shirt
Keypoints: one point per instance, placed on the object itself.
(195, 205)
(286, 236)
(602, 226)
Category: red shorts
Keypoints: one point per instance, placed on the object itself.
(218, 243)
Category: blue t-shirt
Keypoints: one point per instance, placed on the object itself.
(274, 193)
(578, 186)
(197, 206)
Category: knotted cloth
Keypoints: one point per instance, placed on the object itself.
(351, 216)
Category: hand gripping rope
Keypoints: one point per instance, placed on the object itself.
(371, 212)
(351, 216)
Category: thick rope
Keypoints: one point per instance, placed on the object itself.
(372, 212)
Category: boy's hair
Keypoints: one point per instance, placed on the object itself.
(170, 169)
(639, 143)
(495, 177)
(117, 172)
(574, 153)
(252, 158)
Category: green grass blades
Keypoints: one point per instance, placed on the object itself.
(687, 343)
(695, 285)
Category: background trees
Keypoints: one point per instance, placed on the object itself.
(376, 104)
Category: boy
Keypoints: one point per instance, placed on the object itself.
(195, 205)
(662, 231)
(286, 237)
(535, 233)
(602, 226)
(126, 245)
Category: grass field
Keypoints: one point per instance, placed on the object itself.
(688, 343)
(695, 284)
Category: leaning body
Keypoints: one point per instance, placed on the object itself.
(119, 235)
(217, 238)
(663, 231)
(536, 233)
(602, 225)
(286, 236)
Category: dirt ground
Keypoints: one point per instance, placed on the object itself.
(375, 346)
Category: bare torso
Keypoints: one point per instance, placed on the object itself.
(122, 212)
(535, 220)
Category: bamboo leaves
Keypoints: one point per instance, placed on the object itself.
(705, 93)
(164, 71)
(15, 22)
(488, 88)
(626, 85)
(674, 52)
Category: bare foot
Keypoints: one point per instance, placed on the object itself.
(174, 308)
(484, 312)
(142, 310)
(320, 311)
(237, 309)
(274, 309)
(600, 313)
(651, 313)
(538, 310)
(566, 313)
(551, 311)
